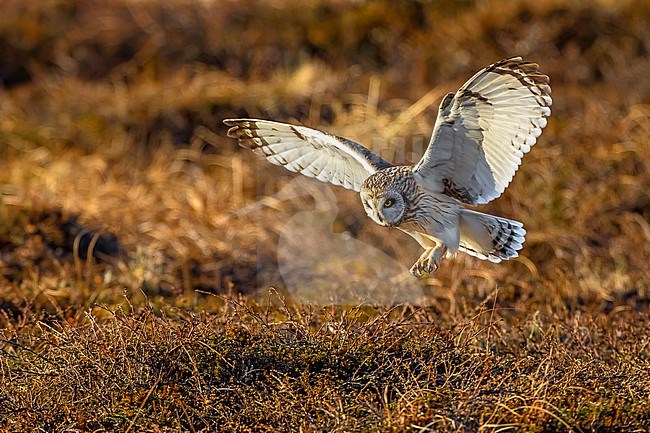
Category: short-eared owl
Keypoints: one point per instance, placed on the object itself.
(481, 134)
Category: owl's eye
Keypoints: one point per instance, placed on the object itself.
(388, 203)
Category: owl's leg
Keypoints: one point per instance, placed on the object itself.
(429, 260)
(434, 249)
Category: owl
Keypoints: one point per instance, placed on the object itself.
(479, 138)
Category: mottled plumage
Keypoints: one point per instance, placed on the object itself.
(481, 134)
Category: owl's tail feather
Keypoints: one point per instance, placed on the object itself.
(489, 237)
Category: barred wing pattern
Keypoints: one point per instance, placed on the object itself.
(308, 151)
(483, 131)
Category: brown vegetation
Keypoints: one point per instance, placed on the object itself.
(138, 244)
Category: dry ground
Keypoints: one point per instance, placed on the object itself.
(144, 282)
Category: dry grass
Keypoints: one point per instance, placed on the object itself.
(249, 369)
(138, 244)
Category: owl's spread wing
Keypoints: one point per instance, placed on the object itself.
(308, 151)
(484, 130)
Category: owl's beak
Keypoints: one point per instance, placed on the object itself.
(382, 221)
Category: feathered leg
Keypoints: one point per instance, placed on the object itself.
(429, 261)
(434, 250)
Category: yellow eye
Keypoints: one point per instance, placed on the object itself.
(388, 203)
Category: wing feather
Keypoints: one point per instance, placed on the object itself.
(484, 130)
(308, 151)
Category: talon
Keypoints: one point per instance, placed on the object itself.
(429, 261)
(417, 269)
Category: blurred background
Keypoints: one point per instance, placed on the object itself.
(116, 175)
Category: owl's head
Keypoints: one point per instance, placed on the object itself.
(383, 195)
(386, 208)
